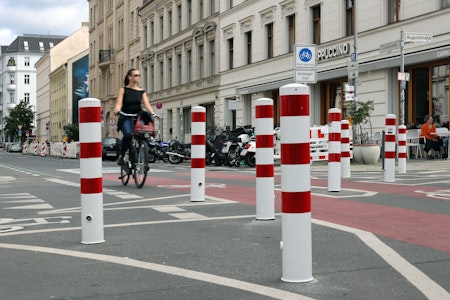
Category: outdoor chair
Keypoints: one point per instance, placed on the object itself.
(412, 142)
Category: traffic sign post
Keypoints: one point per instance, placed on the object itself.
(305, 63)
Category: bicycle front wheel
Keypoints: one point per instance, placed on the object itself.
(141, 165)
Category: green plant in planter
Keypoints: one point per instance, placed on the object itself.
(360, 113)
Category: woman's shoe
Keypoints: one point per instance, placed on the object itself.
(444, 156)
(430, 157)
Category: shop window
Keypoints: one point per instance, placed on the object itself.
(440, 94)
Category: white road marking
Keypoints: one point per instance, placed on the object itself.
(188, 215)
(195, 275)
(415, 276)
(33, 206)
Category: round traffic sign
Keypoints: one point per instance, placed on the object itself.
(159, 105)
(112, 121)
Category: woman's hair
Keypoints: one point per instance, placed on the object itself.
(126, 81)
(426, 118)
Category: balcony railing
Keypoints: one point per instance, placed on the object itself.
(106, 57)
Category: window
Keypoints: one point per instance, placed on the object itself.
(200, 9)
(161, 75)
(393, 11)
(41, 46)
(26, 98)
(169, 16)
(291, 32)
(189, 65)
(269, 40)
(212, 58)
(248, 48)
(445, 3)
(212, 7)
(179, 69)
(120, 32)
(152, 78)
(169, 72)
(200, 62)
(349, 17)
(27, 79)
(189, 12)
(11, 97)
(161, 28)
(179, 17)
(229, 4)
(152, 33)
(12, 79)
(316, 24)
(27, 61)
(230, 53)
(25, 46)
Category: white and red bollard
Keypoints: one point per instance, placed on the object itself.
(91, 171)
(64, 149)
(25, 148)
(198, 141)
(43, 149)
(345, 149)
(296, 242)
(265, 191)
(334, 150)
(401, 149)
(35, 148)
(389, 148)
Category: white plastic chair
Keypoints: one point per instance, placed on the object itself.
(412, 141)
(376, 138)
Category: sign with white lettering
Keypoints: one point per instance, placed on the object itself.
(389, 47)
(305, 56)
(305, 76)
(418, 37)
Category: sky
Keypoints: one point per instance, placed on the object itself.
(53, 17)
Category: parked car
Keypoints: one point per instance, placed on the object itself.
(14, 147)
(110, 148)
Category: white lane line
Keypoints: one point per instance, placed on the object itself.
(195, 275)
(415, 276)
(188, 215)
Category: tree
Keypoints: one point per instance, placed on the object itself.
(72, 132)
(21, 115)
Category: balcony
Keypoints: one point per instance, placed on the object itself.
(10, 106)
(11, 69)
(11, 86)
(105, 58)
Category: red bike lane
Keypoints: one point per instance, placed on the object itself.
(407, 225)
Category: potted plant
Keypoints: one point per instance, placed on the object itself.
(363, 150)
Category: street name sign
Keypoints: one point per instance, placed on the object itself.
(418, 37)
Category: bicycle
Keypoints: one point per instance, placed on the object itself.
(136, 156)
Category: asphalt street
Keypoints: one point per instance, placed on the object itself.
(371, 240)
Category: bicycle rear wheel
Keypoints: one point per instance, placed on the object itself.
(141, 165)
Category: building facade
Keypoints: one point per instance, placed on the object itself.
(18, 75)
(50, 121)
(226, 54)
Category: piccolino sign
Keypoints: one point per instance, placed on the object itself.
(333, 51)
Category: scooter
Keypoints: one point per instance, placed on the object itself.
(213, 150)
(233, 146)
(157, 150)
(248, 153)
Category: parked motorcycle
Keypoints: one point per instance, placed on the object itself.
(157, 150)
(248, 153)
(213, 150)
(238, 138)
(178, 152)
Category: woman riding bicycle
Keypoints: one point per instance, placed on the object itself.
(129, 100)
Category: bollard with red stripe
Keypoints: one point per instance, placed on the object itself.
(334, 150)
(295, 183)
(198, 141)
(265, 191)
(402, 149)
(91, 171)
(43, 149)
(389, 148)
(345, 149)
(64, 149)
